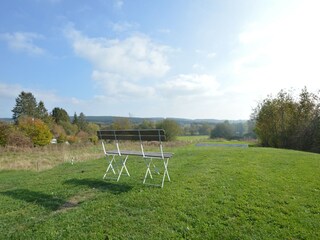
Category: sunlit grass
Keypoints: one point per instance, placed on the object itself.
(215, 193)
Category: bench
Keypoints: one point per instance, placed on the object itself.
(142, 135)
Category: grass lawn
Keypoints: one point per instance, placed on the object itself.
(214, 193)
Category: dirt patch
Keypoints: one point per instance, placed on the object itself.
(75, 201)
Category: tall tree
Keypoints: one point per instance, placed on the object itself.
(204, 129)
(286, 123)
(121, 123)
(146, 124)
(222, 130)
(306, 120)
(42, 112)
(82, 122)
(171, 127)
(75, 119)
(60, 115)
(26, 105)
(274, 119)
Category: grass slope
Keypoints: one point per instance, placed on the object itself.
(215, 193)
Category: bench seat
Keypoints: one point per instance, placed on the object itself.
(139, 153)
(150, 158)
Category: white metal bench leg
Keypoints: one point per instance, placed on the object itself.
(148, 172)
(166, 173)
(123, 167)
(110, 166)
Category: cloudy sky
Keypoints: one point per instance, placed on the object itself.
(168, 58)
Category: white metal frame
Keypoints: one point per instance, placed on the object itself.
(111, 158)
(148, 159)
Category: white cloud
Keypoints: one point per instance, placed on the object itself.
(127, 67)
(9, 92)
(135, 57)
(132, 76)
(113, 85)
(283, 53)
(23, 42)
(190, 86)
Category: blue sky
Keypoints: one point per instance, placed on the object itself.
(181, 58)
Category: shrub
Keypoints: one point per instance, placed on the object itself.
(5, 129)
(222, 130)
(36, 129)
(17, 138)
(72, 139)
(62, 138)
(171, 127)
(94, 139)
(82, 136)
(285, 122)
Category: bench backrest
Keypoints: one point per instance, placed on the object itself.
(133, 135)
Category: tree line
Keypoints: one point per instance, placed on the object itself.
(284, 121)
(234, 131)
(35, 126)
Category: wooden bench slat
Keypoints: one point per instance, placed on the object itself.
(132, 135)
(139, 153)
(158, 155)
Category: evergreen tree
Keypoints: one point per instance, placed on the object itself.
(82, 122)
(75, 119)
(42, 112)
(26, 105)
(60, 115)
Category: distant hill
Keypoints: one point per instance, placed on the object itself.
(138, 120)
(6, 120)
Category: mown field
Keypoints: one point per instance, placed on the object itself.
(214, 193)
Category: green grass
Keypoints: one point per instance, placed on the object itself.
(214, 193)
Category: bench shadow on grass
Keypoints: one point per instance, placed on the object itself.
(54, 203)
(114, 188)
(45, 200)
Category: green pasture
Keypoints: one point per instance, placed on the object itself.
(214, 193)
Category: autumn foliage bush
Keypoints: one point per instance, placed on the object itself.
(36, 130)
(19, 139)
